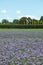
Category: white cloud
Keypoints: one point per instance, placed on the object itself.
(18, 11)
(4, 11)
(9, 18)
(30, 16)
(33, 17)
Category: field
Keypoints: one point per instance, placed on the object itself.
(21, 47)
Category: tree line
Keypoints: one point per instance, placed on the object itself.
(23, 20)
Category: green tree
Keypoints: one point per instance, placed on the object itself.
(41, 20)
(34, 21)
(29, 20)
(16, 21)
(4, 21)
(23, 20)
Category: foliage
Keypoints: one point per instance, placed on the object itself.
(41, 20)
(21, 26)
(4, 21)
(15, 21)
(23, 22)
(29, 20)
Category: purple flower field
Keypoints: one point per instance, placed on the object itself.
(21, 47)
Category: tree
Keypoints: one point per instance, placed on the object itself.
(34, 21)
(4, 21)
(23, 20)
(29, 20)
(16, 21)
(41, 20)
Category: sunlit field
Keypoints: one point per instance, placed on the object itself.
(21, 47)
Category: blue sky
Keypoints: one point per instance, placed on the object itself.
(11, 9)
